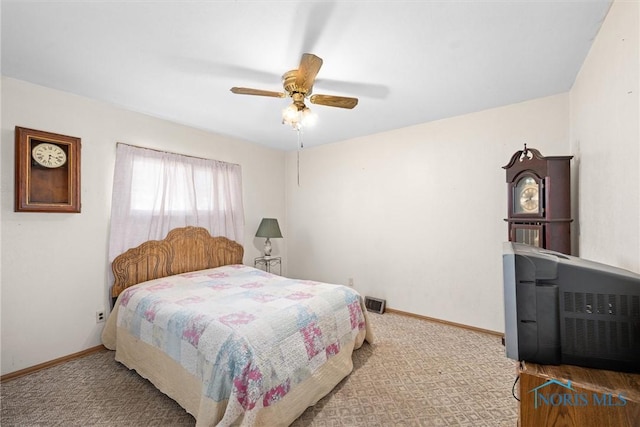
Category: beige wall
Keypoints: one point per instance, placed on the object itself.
(605, 139)
(415, 215)
(54, 266)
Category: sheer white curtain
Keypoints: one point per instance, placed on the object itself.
(155, 192)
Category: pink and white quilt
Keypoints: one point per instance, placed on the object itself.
(250, 336)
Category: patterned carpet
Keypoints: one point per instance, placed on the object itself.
(419, 373)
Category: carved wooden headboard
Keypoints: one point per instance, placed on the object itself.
(183, 250)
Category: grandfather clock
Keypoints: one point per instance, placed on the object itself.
(539, 194)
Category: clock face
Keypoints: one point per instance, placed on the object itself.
(49, 155)
(529, 199)
(526, 196)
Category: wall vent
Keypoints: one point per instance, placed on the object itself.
(375, 305)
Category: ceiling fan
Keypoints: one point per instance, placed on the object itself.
(298, 84)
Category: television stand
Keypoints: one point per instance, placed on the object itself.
(569, 396)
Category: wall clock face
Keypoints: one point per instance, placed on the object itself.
(526, 197)
(529, 199)
(49, 155)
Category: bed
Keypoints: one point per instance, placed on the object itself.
(233, 345)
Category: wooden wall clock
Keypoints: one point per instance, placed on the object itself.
(539, 200)
(47, 172)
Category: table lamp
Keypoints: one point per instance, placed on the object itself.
(268, 228)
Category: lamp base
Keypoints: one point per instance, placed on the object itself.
(267, 248)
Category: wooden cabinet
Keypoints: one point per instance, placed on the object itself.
(573, 396)
(539, 195)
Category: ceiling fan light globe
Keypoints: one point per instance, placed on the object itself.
(290, 113)
(309, 118)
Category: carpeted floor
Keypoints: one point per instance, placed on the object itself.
(419, 373)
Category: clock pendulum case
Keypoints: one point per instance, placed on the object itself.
(539, 200)
(47, 172)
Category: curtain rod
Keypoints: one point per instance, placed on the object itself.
(171, 152)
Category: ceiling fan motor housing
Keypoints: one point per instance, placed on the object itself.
(289, 83)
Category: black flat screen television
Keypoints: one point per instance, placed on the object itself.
(561, 309)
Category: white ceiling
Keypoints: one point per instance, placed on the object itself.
(408, 62)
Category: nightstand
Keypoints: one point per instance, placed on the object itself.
(266, 262)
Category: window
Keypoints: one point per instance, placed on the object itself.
(155, 192)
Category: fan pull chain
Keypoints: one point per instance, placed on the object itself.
(300, 147)
(298, 168)
(300, 143)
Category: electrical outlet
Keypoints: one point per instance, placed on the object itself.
(351, 281)
(100, 316)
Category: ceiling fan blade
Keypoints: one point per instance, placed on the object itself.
(204, 67)
(313, 24)
(368, 90)
(309, 67)
(259, 92)
(334, 101)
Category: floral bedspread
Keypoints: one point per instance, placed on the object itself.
(251, 336)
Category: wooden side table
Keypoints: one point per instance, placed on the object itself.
(569, 396)
(268, 262)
